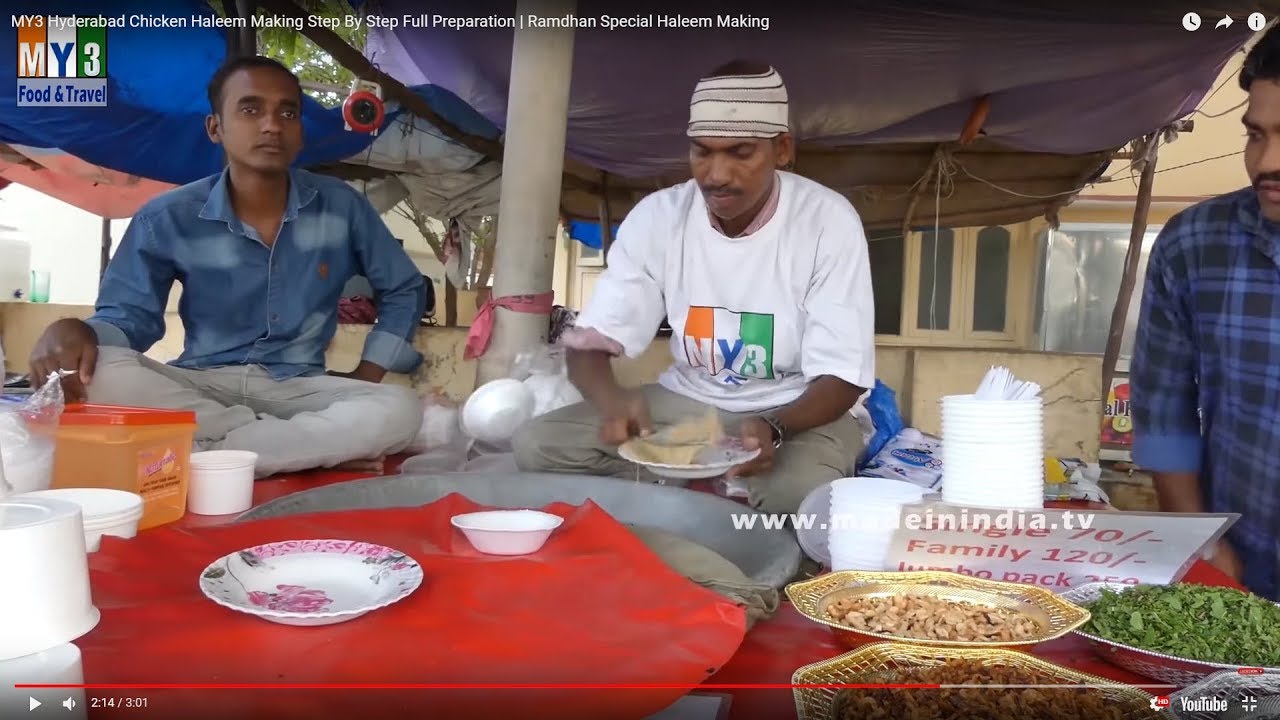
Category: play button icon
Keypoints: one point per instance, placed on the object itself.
(34, 704)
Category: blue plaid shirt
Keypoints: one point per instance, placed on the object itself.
(244, 303)
(1205, 376)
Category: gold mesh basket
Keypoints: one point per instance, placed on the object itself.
(878, 663)
(1054, 617)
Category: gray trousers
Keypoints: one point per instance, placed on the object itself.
(568, 441)
(296, 424)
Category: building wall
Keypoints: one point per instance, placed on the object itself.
(918, 376)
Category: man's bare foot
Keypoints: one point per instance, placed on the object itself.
(373, 465)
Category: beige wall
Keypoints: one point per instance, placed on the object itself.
(919, 376)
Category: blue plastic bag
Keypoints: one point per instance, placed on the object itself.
(882, 406)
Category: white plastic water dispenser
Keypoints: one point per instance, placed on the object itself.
(15, 266)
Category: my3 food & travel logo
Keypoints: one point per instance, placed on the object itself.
(62, 60)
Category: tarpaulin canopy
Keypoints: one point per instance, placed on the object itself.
(152, 128)
(589, 233)
(874, 88)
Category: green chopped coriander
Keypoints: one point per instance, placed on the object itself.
(1196, 622)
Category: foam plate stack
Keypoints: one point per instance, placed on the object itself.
(993, 446)
(865, 513)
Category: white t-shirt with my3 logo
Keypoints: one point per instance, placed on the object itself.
(754, 318)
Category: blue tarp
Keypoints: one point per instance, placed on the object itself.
(153, 124)
(588, 233)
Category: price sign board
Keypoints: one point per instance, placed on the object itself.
(1057, 549)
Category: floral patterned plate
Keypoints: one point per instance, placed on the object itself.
(311, 582)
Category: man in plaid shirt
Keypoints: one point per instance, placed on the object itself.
(1205, 376)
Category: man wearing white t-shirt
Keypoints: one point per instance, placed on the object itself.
(764, 279)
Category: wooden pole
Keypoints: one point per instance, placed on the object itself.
(1120, 313)
(606, 219)
(248, 43)
(533, 164)
(105, 252)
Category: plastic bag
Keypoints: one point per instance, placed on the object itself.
(544, 372)
(28, 439)
(440, 424)
(912, 456)
(1068, 479)
(882, 406)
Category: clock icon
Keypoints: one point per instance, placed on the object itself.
(1191, 21)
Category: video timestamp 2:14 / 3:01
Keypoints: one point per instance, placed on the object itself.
(114, 702)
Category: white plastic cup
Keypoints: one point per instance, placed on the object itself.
(993, 462)
(972, 401)
(60, 665)
(221, 482)
(992, 431)
(45, 599)
(105, 511)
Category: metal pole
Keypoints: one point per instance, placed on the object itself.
(533, 161)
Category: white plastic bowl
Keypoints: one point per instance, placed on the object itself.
(221, 482)
(105, 511)
(497, 409)
(507, 532)
(45, 598)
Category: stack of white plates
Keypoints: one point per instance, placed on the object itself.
(865, 513)
(993, 452)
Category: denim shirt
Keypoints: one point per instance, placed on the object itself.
(246, 303)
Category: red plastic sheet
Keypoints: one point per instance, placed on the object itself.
(594, 606)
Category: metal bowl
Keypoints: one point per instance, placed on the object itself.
(1054, 616)
(1157, 666)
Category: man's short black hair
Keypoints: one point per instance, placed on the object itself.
(1263, 61)
(245, 62)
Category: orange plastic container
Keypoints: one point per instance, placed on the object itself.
(141, 450)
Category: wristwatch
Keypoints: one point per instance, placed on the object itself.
(779, 430)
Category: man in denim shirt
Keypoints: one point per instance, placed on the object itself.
(262, 252)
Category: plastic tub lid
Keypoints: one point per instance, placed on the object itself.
(96, 504)
(86, 414)
(18, 512)
(224, 459)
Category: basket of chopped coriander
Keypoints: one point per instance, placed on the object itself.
(1179, 633)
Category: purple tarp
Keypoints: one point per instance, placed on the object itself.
(1085, 77)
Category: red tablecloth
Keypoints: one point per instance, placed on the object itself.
(774, 649)
(593, 606)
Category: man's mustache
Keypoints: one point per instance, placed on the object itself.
(1271, 177)
(719, 190)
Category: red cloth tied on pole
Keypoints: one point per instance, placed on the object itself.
(594, 606)
(482, 326)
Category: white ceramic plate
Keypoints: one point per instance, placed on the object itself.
(311, 582)
(712, 462)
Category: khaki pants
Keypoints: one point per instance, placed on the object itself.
(295, 424)
(568, 441)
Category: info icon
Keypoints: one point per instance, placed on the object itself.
(1257, 21)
